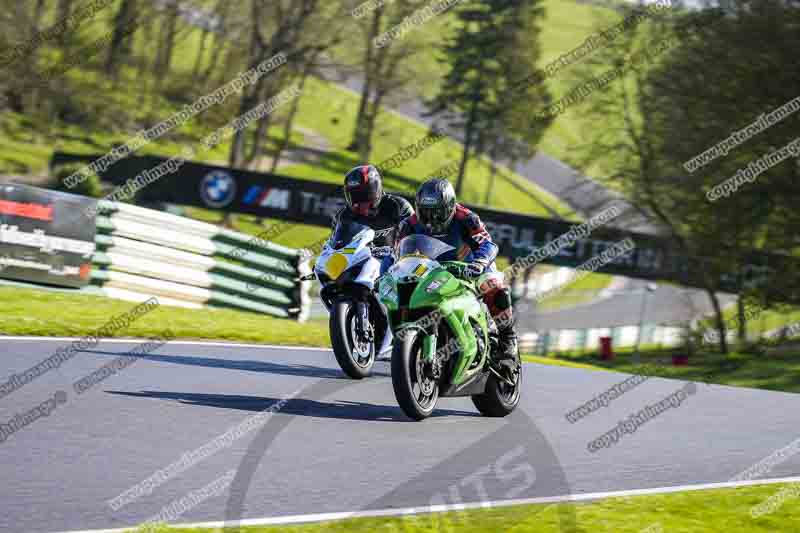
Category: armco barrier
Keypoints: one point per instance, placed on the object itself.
(545, 342)
(143, 253)
(39, 241)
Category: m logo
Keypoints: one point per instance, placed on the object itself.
(267, 197)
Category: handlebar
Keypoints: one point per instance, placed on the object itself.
(456, 268)
(456, 265)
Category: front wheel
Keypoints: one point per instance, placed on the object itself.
(415, 388)
(500, 398)
(354, 355)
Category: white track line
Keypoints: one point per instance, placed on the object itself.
(322, 517)
(177, 341)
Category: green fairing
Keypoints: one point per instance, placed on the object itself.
(457, 304)
(383, 282)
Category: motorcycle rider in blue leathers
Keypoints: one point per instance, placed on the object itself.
(440, 216)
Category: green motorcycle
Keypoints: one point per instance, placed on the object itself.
(444, 336)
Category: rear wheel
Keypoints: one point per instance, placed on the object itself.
(415, 387)
(355, 356)
(500, 398)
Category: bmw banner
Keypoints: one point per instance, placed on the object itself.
(222, 188)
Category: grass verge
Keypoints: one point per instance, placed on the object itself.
(52, 314)
(582, 291)
(685, 512)
(766, 322)
(775, 368)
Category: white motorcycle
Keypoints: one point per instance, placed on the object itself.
(347, 271)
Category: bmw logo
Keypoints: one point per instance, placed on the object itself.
(218, 189)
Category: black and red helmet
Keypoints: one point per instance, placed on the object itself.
(363, 190)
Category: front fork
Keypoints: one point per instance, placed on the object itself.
(429, 356)
(367, 277)
(429, 348)
(363, 325)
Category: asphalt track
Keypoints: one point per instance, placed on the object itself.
(336, 445)
(667, 305)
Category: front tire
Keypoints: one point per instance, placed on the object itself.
(416, 393)
(354, 358)
(499, 399)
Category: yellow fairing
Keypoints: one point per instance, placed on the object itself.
(335, 266)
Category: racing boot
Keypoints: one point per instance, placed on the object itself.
(508, 353)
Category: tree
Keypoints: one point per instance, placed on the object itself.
(126, 15)
(289, 27)
(495, 43)
(691, 81)
(387, 69)
(313, 61)
(166, 40)
(222, 36)
(509, 133)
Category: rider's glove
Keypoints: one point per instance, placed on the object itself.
(379, 252)
(474, 270)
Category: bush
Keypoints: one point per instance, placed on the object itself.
(88, 187)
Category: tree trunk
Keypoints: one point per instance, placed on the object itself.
(284, 142)
(371, 118)
(221, 10)
(720, 321)
(125, 15)
(468, 133)
(144, 67)
(358, 131)
(742, 334)
(492, 175)
(359, 134)
(166, 43)
(217, 47)
(260, 137)
(200, 52)
(62, 12)
(287, 127)
(170, 45)
(246, 102)
(236, 156)
(264, 90)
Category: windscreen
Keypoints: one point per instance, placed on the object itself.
(423, 245)
(345, 233)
